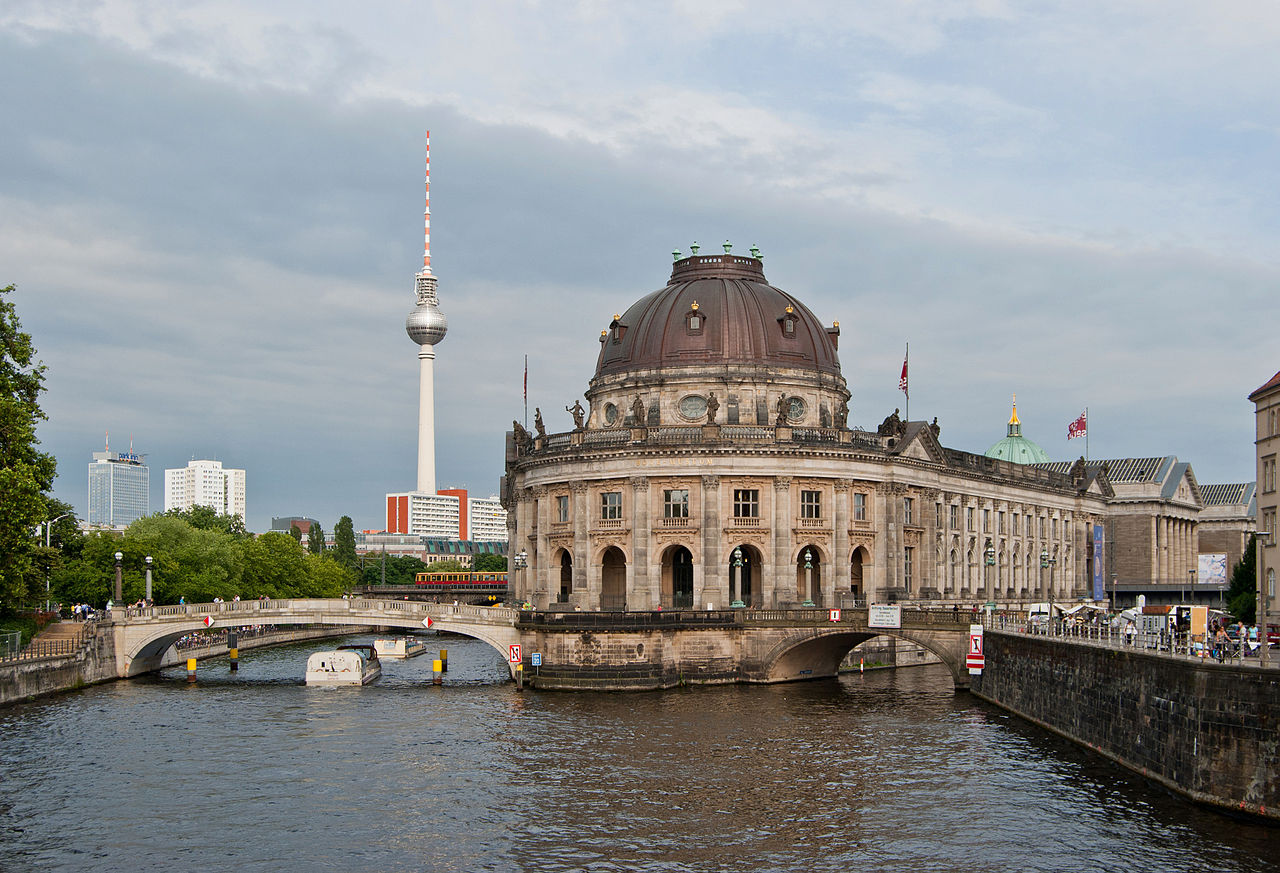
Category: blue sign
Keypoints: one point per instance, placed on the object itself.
(1099, 589)
(536, 659)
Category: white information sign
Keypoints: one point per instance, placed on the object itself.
(884, 615)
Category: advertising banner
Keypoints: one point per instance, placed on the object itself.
(1099, 565)
(1212, 570)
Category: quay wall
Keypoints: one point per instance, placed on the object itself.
(1206, 730)
(173, 657)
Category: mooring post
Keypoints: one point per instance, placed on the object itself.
(437, 671)
(191, 669)
(232, 651)
(444, 660)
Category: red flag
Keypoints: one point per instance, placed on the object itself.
(1078, 428)
(902, 380)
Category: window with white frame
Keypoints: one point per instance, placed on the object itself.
(811, 504)
(746, 503)
(675, 503)
(611, 505)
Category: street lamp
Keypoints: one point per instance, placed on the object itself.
(119, 571)
(148, 562)
(48, 529)
(989, 553)
(522, 561)
(1192, 574)
(1044, 565)
(808, 579)
(735, 583)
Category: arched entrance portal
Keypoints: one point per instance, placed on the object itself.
(746, 588)
(809, 575)
(566, 576)
(613, 579)
(857, 564)
(677, 578)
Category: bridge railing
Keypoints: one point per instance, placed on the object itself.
(37, 649)
(257, 611)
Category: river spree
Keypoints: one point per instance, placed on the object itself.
(889, 770)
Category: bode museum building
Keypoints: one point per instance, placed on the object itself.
(714, 467)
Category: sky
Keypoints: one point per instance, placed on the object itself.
(212, 214)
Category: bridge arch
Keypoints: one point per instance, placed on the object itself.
(818, 652)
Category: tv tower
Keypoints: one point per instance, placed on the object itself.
(426, 326)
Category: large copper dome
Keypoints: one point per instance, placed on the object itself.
(717, 309)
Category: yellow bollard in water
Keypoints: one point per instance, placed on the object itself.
(436, 672)
(444, 660)
(191, 669)
(233, 650)
(520, 677)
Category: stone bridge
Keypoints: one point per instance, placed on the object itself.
(583, 650)
(143, 635)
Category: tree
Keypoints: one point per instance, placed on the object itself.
(296, 533)
(449, 565)
(207, 518)
(1242, 596)
(26, 474)
(315, 539)
(400, 569)
(489, 564)
(344, 543)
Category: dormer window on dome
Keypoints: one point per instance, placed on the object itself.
(788, 321)
(694, 321)
(617, 329)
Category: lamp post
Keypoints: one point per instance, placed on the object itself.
(1264, 599)
(119, 592)
(808, 579)
(1052, 563)
(147, 559)
(1044, 565)
(735, 583)
(1111, 598)
(989, 554)
(1192, 574)
(48, 529)
(522, 561)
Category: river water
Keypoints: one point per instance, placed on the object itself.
(889, 770)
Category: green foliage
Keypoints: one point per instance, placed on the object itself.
(274, 567)
(344, 543)
(315, 539)
(207, 518)
(327, 579)
(447, 566)
(26, 474)
(296, 533)
(489, 563)
(1242, 595)
(401, 569)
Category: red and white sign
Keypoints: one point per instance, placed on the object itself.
(513, 654)
(833, 615)
(208, 621)
(427, 622)
(975, 660)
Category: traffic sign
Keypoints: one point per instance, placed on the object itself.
(833, 614)
(427, 622)
(536, 659)
(513, 654)
(208, 621)
(975, 660)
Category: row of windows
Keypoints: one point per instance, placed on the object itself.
(746, 504)
(1004, 521)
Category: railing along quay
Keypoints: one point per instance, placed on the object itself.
(37, 649)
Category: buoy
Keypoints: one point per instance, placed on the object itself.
(191, 669)
(437, 672)
(444, 660)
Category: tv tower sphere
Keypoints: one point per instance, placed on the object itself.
(426, 324)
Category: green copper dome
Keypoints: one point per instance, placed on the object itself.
(1015, 447)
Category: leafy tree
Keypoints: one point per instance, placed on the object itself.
(490, 563)
(448, 565)
(296, 533)
(400, 569)
(275, 566)
(207, 518)
(25, 473)
(194, 563)
(344, 543)
(315, 539)
(326, 578)
(1242, 595)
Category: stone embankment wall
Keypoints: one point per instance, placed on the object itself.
(1207, 730)
(95, 662)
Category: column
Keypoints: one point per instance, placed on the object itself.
(781, 584)
(886, 545)
(541, 556)
(643, 590)
(584, 577)
(715, 579)
(839, 574)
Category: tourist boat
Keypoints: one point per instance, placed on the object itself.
(399, 647)
(346, 665)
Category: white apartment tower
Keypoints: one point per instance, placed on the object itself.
(205, 483)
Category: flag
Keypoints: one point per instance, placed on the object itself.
(902, 380)
(1078, 428)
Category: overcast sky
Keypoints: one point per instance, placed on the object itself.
(212, 212)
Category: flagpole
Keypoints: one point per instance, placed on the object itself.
(526, 391)
(906, 360)
(1086, 434)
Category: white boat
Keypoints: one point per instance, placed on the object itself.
(346, 665)
(399, 647)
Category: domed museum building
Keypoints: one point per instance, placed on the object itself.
(714, 466)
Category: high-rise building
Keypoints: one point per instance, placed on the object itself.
(487, 520)
(119, 488)
(205, 483)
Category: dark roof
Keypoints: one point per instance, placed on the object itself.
(742, 322)
(1275, 381)
(1226, 494)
